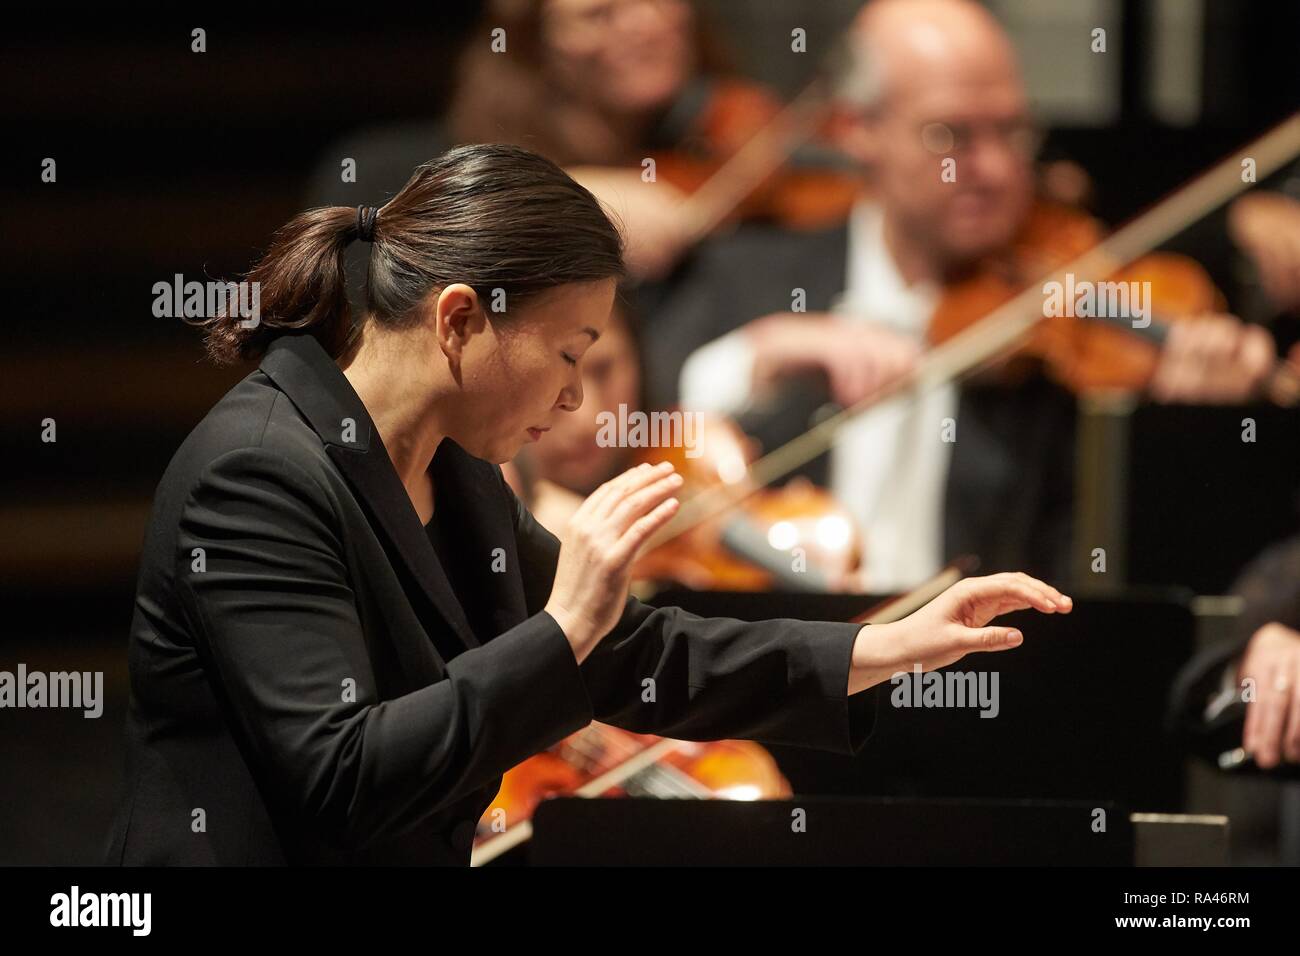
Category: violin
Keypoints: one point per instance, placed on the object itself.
(605, 761)
(736, 164)
(1080, 354)
(994, 320)
(796, 537)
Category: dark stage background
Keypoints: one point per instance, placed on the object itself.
(174, 162)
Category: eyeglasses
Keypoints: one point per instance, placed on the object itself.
(1020, 136)
(602, 16)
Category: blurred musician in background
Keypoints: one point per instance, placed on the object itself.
(1265, 649)
(1254, 673)
(596, 86)
(1256, 669)
(941, 79)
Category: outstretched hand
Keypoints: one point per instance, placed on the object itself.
(954, 624)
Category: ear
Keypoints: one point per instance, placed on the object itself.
(456, 315)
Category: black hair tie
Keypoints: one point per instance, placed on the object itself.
(366, 216)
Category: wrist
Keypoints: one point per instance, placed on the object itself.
(570, 625)
(872, 661)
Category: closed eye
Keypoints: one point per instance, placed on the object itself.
(569, 358)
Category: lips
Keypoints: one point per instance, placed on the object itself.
(536, 433)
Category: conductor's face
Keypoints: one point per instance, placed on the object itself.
(517, 371)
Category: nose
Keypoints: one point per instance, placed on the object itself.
(995, 163)
(571, 395)
(996, 156)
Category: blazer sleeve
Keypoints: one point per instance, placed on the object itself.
(274, 619)
(668, 672)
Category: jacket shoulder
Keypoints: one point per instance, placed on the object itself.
(253, 417)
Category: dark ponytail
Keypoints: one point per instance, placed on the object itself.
(493, 217)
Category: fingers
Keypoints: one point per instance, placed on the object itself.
(1272, 664)
(1181, 364)
(629, 546)
(976, 640)
(1258, 354)
(1015, 591)
(601, 502)
(638, 502)
(1271, 706)
(862, 361)
(593, 501)
(1291, 741)
(1186, 358)
(630, 508)
(1212, 358)
(1164, 384)
(1049, 599)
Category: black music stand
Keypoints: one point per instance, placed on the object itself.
(1198, 502)
(1081, 710)
(837, 832)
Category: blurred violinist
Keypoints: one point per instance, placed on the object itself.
(596, 86)
(934, 80)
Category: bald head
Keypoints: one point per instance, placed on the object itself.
(942, 126)
(913, 47)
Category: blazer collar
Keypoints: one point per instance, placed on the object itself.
(320, 391)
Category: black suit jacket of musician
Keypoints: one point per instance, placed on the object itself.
(309, 684)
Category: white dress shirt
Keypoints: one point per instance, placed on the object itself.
(889, 467)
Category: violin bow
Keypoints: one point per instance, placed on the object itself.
(763, 153)
(999, 332)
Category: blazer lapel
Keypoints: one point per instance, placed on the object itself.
(302, 369)
(472, 508)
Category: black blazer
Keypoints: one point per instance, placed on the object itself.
(310, 685)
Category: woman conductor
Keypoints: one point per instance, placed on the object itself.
(347, 626)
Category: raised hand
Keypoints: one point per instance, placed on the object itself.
(954, 624)
(603, 539)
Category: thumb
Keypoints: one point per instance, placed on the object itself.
(976, 639)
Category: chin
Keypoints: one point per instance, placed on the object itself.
(490, 451)
(966, 245)
(499, 455)
(654, 88)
